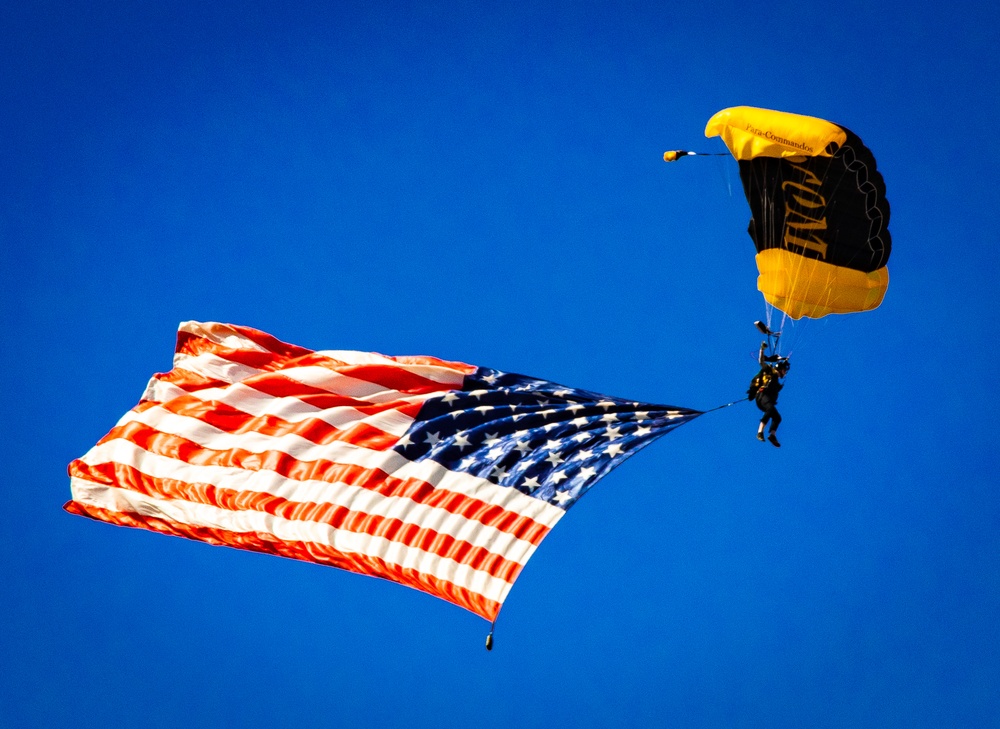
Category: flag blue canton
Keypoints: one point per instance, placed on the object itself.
(545, 440)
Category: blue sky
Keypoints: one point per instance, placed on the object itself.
(484, 183)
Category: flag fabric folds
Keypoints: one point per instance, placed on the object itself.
(438, 475)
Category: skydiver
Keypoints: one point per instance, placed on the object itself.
(764, 391)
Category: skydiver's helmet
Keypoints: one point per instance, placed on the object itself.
(783, 367)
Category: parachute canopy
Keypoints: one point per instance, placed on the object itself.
(819, 214)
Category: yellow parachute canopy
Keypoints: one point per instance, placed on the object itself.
(820, 217)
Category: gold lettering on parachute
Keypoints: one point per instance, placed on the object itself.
(804, 213)
(772, 137)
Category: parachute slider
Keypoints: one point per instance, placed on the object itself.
(762, 328)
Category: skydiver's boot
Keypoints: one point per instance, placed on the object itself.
(774, 439)
(760, 432)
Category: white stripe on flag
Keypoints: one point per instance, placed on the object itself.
(222, 334)
(265, 481)
(203, 515)
(214, 367)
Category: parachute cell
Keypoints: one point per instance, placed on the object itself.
(819, 214)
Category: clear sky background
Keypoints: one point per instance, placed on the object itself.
(483, 182)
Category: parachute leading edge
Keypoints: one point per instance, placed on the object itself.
(819, 214)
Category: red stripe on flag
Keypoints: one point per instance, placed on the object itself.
(277, 384)
(361, 435)
(307, 551)
(190, 381)
(335, 516)
(462, 367)
(389, 376)
(268, 342)
(231, 420)
(193, 345)
(124, 476)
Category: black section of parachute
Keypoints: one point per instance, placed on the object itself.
(854, 210)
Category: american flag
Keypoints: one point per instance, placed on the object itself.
(438, 475)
